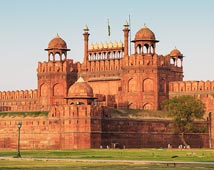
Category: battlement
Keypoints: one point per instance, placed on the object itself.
(203, 90)
(18, 94)
(23, 100)
(146, 59)
(101, 62)
(57, 66)
(153, 60)
(191, 86)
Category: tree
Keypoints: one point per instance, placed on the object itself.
(184, 110)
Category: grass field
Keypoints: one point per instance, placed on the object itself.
(171, 155)
(195, 155)
(63, 165)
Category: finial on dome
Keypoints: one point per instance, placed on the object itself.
(86, 28)
(145, 25)
(57, 36)
(80, 80)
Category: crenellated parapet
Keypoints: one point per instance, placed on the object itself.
(19, 100)
(152, 59)
(146, 59)
(57, 66)
(203, 90)
(191, 86)
(18, 95)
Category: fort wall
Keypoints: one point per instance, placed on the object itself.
(203, 90)
(132, 133)
(23, 100)
(68, 127)
(74, 131)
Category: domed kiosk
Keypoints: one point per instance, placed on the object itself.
(176, 57)
(145, 34)
(145, 41)
(80, 93)
(176, 53)
(57, 46)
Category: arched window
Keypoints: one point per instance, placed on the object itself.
(57, 57)
(57, 90)
(179, 63)
(64, 56)
(44, 90)
(145, 48)
(132, 85)
(139, 49)
(148, 106)
(148, 85)
(172, 61)
(51, 57)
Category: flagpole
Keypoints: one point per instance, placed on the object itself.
(130, 35)
(109, 31)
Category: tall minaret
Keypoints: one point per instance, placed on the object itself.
(126, 39)
(86, 35)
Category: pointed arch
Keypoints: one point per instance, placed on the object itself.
(139, 49)
(57, 90)
(148, 106)
(132, 85)
(44, 90)
(57, 56)
(148, 85)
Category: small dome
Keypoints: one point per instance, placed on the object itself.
(110, 45)
(145, 34)
(175, 53)
(96, 46)
(105, 45)
(100, 45)
(91, 47)
(115, 44)
(57, 43)
(120, 44)
(80, 89)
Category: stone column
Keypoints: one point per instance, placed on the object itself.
(86, 35)
(126, 39)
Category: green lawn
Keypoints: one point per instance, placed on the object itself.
(63, 165)
(195, 155)
(172, 155)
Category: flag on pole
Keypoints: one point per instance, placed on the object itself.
(109, 31)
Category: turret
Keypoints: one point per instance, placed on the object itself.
(57, 46)
(86, 35)
(145, 41)
(126, 38)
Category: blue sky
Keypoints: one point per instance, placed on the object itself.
(28, 25)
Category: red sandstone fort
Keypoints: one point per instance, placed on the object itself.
(75, 96)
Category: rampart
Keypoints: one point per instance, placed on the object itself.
(203, 90)
(23, 100)
(139, 133)
(57, 66)
(77, 127)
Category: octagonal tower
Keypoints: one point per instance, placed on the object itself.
(56, 75)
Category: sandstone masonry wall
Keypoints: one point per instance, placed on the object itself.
(23, 100)
(132, 133)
